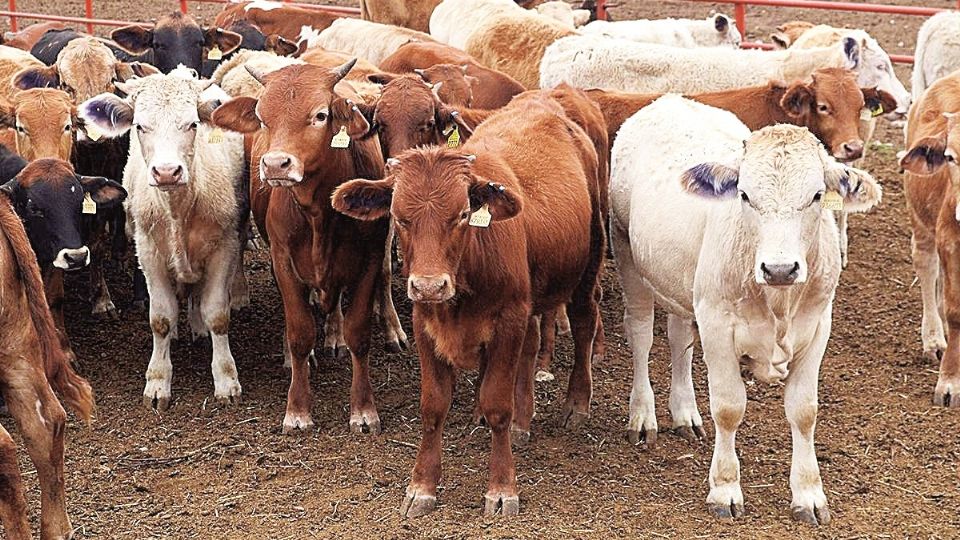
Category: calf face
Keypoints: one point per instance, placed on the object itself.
(782, 178)
(301, 114)
(165, 111)
(176, 39)
(451, 84)
(432, 195)
(875, 70)
(43, 119)
(49, 197)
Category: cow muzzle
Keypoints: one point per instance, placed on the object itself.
(780, 274)
(430, 289)
(167, 176)
(849, 151)
(72, 259)
(280, 169)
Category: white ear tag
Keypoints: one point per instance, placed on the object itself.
(89, 206)
(215, 53)
(831, 200)
(341, 139)
(481, 218)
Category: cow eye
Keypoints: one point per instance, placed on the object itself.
(817, 196)
(464, 215)
(193, 126)
(67, 127)
(21, 129)
(823, 109)
(744, 198)
(320, 117)
(950, 157)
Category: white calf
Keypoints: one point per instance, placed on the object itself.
(756, 270)
(938, 51)
(714, 31)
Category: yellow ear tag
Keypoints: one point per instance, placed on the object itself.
(481, 218)
(341, 139)
(866, 115)
(877, 111)
(89, 207)
(216, 136)
(93, 133)
(831, 200)
(453, 141)
(215, 53)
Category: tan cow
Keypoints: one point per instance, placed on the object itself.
(413, 14)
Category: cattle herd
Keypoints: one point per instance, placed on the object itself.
(498, 152)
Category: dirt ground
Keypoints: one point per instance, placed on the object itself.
(889, 459)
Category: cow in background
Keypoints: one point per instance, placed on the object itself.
(176, 40)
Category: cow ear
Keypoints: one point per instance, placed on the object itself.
(133, 39)
(859, 190)
(711, 180)
(346, 113)
(502, 203)
(381, 78)
(105, 192)
(8, 116)
(111, 114)
(365, 200)
(39, 77)
(721, 23)
(878, 100)
(224, 40)
(926, 156)
(238, 115)
(124, 71)
(280, 46)
(448, 117)
(851, 50)
(368, 110)
(797, 100)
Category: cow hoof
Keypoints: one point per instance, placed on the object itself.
(947, 394)
(156, 403)
(727, 511)
(573, 420)
(811, 516)
(501, 503)
(230, 399)
(693, 434)
(543, 376)
(934, 354)
(478, 418)
(647, 438)
(297, 423)
(365, 423)
(519, 437)
(417, 503)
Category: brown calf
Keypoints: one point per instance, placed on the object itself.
(493, 235)
(284, 21)
(31, 362)
(491, 89)
(930, 185)
(42, 119)
(829, 106)
(294, 170)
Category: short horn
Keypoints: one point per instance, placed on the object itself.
(341, 72)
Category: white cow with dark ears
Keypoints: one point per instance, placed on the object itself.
(728, 228)
(182, 204)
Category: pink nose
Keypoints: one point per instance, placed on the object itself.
(167, 174)
(278, 165)
(430, 288)
(850, 150)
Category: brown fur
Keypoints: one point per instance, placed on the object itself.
(413, 14)
(491, 90)
(28, 37)
(43, 113)
(789, 32)
(285, 21)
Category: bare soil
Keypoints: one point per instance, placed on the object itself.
(889, 458)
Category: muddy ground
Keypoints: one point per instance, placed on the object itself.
(889, 458)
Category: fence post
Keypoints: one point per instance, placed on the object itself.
(740, 14)
(13, 20)
(89, 11)
(602, 10)
(183, 6)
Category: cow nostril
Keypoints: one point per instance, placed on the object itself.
(178, 171)
(285, 164)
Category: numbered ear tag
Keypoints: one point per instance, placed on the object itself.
(93, 133)
(341, 139)
(215, 53)
(89, 206)
(831, 200)
(481, 218)
(866, 114)
(216, 136)
(453, 141)
(877, 111)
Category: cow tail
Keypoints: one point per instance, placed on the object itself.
(73, 389)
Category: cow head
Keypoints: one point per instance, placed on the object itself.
(451, 84)
(831, 106)
(408, 114)
(874, 70)
(43, 120)
(166, 112)
(176, 40)
(49, 196)
(432, 194)
(783, 177)
(935, 153)
(727, 34)
(300, 114)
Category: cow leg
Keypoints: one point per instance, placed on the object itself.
(53, 287)
(198, 327)
(436, 393)
(683, 400)
(584, 315)
(239, 289)
(548, 340)
(563, 321)
(100, 294)
(638, 326)
(163, 322)
(140, 296)
(478, 419)
(809, 503)
(301, 334)
(334, 345)
(728, 401)
(600, 339)
(844, 240)
(926, 264)
(523, 399)
(215, 310)
(396, 337)
(13, 505)
(42, 422)
(947, 391)
(357, 331)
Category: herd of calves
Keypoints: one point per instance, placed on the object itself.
(505, 151)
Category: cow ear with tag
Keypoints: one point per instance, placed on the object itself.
(365, 200)
(447, 119)
(104, 192)
(219, 42)
(347, 117)
(38, 77)
(878, 101)
(492, 198)
(859, 190)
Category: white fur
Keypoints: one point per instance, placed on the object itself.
(236, 81)
(564, 13)
(698, 259)
(687, 33)
(938, 50)
(365, 39)
(453, 21)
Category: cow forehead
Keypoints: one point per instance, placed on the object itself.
(782, 162)
(295, 91)
(839, 84)
(86, 61)
(161, 97)
(46, 172)
(405, 98)
(432, 181)
(42, 104)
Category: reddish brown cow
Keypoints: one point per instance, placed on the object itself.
(829, 106)
(25, 39)
(491, 89)
(493, 234)
(294, 171)
(284, 21)
(31, 362)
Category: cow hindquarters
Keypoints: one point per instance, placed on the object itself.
(809, 504)
(215, 312)
(13, 506)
